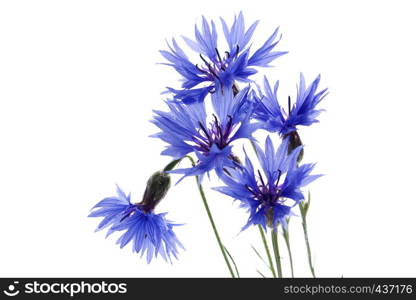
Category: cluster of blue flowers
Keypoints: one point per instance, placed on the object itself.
(205, 117)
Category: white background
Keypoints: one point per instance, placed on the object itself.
(79, 80)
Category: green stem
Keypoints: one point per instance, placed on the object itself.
(232, 259)
(211, 219)
(204, 199)
(305, 231)
(266, 247)
(286, 236)
(276, 252)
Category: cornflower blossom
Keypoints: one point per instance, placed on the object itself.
(218, 70)
(187, 128)
(268, 195)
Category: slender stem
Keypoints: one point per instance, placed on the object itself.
(204, 199)
(276, 252)
(286, 236)
(308, 247)
(261, 274)
(171, 166)
(266, 247)
(232, 259)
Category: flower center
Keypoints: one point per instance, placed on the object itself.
(217, 134)
(128, 212)
(217, 66)
(268, 194)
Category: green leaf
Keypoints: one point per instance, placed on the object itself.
(232, 259)
(261, 274)
(259, 255)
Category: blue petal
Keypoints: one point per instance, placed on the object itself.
(264, 55)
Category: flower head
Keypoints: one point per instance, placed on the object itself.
(303, 112)
(188, 129)
(269, 195)
(148, 232)
(218, 70)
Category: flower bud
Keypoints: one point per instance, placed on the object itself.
(156, 189)
(294, 142)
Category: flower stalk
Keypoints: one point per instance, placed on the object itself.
(304, 206)
(211, 220)
(266, 248)
(214, 227)
(276, 252)
(287, 241)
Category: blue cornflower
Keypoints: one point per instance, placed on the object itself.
(303, 112)
(218, 71)
(270, 195)
(148, 232)
(187, 129)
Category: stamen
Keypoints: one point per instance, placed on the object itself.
(227, 130)
(201, 70)
(215, 120)
(219, 56)
(250, 190)
(205, 131)
(289, 104)
(218, 127)
(261, 178)
(238, 51)
(213, 72)
(278, 176)
(205, 61)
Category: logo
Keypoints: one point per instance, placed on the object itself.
(12, 291)
(65, 287)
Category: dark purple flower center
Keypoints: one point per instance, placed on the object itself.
(128, 212)
(215, 68)
(268, 194)
(217, 134)
(133, 208)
